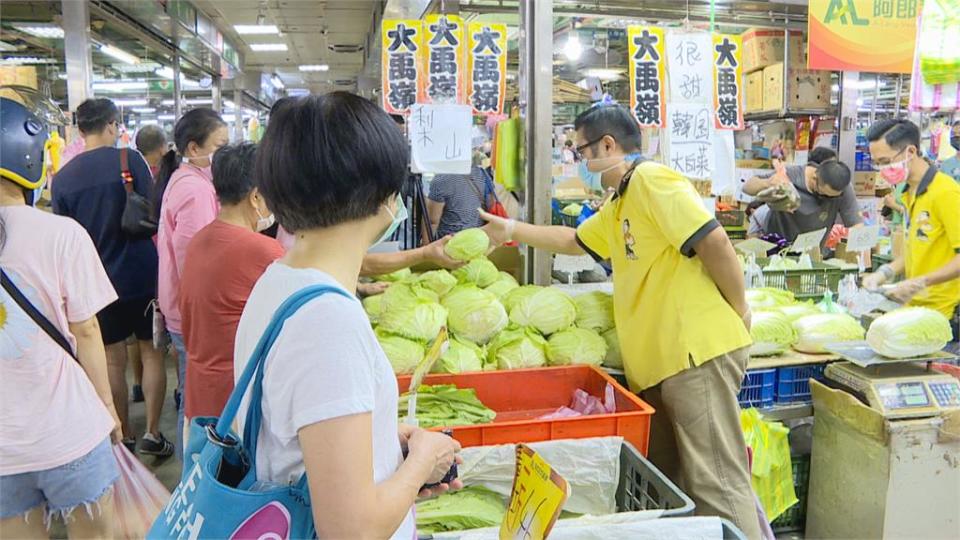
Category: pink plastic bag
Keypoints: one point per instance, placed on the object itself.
(583, 404)
(138, 495)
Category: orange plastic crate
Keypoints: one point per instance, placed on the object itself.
(520, 396)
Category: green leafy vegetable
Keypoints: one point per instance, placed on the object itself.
(576, 346)
(766, 297)
(480, 271)
(594, 311)
(612, 359)
(504, 284)
(782, 263)
(474, 314)
(404, 354)
(438, 281)
(548, 310)
(371, 305)
(411, 311)
(909, 332)
(514, 297)
(394, 277)
(468, 244)
(815, 331)
(771, 333)
(572, 209)
(472, 507)
(444, 405)
(516, 348)
(795, 311)
(461, 356)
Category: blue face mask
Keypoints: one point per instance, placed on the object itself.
(398, 218)
(592, 179)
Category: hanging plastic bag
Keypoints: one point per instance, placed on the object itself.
(772, 472)
(138, 495)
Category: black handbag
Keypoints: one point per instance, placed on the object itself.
(138, 219)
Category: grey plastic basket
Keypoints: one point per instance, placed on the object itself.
(643, 487)
(731, 532)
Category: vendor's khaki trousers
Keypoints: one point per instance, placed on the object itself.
(697, 441)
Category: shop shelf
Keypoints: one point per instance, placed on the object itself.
(793, 382)
(521, 396)
(806, 284)
(758, 388)
(644, 487)
(794, 519)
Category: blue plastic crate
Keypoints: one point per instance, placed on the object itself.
(793, 383)
(758, 388)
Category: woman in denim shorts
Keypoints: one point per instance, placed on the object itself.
(56, 412)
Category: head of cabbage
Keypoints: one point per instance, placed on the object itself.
(411, 311)
(515, 296)
(594, 311)
(393, 277)
(909, 332)
(548, 310)
(766, 297)
(474, 314)
(404, 354)
(612, 358)
(371, 305)
(517, 348)
(480, 271)
(468, 244)
(461, 356)
(816, 331)
(795, 311)
(771, 333)
(504, 284)
(576, 346)
(438, 281)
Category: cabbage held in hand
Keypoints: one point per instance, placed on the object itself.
(460, 356)
(576, 346)
(438, 281)
(517, 348)
(467, 245)
(514, 297)
(612, 358)
(771, 333)
(548, 310)
(815, 331)
(480, 271)
(594, 311)
(404, 354)
(504, 284)
(394, 277)
(474, 314)
(909, 332)
(411, 311)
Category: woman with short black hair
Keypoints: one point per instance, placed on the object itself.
(331, 169)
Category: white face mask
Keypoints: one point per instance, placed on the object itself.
(264, 223)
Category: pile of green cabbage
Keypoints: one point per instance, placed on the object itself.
(503, 285)
(472, 507)
(517, 348)
(594, 311)
(548, 310)
(771, 333)
(474, 314)
(393, 277)
(815, 331)
(467, 245)
(438, 281)
(404, 354)
(461, 356)
(576, 346)
(411, 311)
(515, 296)
(909, 332)
(480, 271)
(612, 358)
(768, 297)
(445, 405)
(371, 305)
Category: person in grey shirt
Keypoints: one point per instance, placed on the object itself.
(825, 192)
(454, 200)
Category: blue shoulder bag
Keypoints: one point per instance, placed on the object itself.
(215, 497)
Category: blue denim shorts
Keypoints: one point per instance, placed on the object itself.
(83, 481)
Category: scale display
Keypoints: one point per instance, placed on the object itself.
(899, 390)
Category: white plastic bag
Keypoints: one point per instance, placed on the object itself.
(138, 495)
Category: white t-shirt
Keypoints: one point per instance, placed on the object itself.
(50, 413)
(326, 363)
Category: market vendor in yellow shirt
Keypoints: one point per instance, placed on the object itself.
(681, 313)
(931, 261)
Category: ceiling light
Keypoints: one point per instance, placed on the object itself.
(197, 101)
(165, 72)
(298, 92)
(120, 86)
(119, 54)
(41, 30)
(268, 47)
(166, 117)
(277, 81)
(604, 74)
(572, 48)
(143, 110)
(26, 60)
(148, 122)
(228, 104)
(139, 102)
(859, 102)
(315, 67)
(254, 29)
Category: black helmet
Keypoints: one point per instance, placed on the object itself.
(24, 130)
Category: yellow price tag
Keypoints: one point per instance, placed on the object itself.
(537, 498)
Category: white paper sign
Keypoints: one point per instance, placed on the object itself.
(807, 241)
(440, 138)
(690, 139)
(754, 245)
(723, 179)
(690, 67)
(863, 238)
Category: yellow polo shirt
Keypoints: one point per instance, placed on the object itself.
(933, 237)
(669, 313)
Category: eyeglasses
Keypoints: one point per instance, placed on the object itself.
(579, 150)
(877, 166)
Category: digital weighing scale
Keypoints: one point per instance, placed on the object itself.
(902, 390)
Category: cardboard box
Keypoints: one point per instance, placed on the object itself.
(806, 89)
(754, 92)
(762, 48)
(865, 183)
